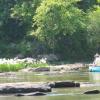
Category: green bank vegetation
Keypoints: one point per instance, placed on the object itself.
(19, 66)
(69, 28)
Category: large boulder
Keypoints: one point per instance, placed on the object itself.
(61, 84)
(66, 84)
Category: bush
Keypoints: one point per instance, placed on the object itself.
(11, 67)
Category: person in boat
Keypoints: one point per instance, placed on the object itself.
(96, 60)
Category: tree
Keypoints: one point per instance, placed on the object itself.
(15, 24)
(24, 10)
(57, 19)
(5, 6)
(16, 18)
(94, 28)
(87, 4)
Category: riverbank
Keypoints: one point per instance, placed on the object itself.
(15, 64)
(34, 65)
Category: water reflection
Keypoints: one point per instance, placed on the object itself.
(94, 77)
(45, 77)
(61, 97)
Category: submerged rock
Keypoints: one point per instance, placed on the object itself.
(42, 69)
(92, 92)
(31, 94)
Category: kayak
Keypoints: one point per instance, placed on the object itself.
(94, 68)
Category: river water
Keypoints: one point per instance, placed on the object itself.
(56, 94)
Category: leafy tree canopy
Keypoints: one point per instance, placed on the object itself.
(58, 17)
(94, 26)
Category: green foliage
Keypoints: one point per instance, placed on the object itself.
(54, 17)
(11, 67)
(38, 64)
(87, 4)
(18, 66)
(30, 48)
(16, 18)
(59, 26)
(5, 6)
(94, 28)
(58, 19)
(24, 10)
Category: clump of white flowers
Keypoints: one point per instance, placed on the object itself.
(25, 60)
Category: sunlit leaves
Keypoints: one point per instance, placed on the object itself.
(58, 17)
(24, 9)
(94, 26)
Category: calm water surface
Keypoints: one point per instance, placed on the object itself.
(57, 94)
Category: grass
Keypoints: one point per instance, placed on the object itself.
(34, 65)
(11, 67)
(18, 66)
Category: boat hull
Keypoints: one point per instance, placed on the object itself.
(94, 68)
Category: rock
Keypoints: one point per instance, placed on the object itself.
(51, 84)
(60, 68)
(27, 70)
(19, 56)
(77, 84)
(19, 94)
(92, 92)
(67, 67)
(9, 88)
(89, 84)
(64, 84)
(39, 69)
(31, 94)
(48, 57)
(42, 69)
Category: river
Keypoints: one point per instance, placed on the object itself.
(56, 94)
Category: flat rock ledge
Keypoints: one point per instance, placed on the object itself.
(31, 87)
(12, 88)
(42, 88)
(31, 94)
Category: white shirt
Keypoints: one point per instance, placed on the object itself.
(97, 61)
